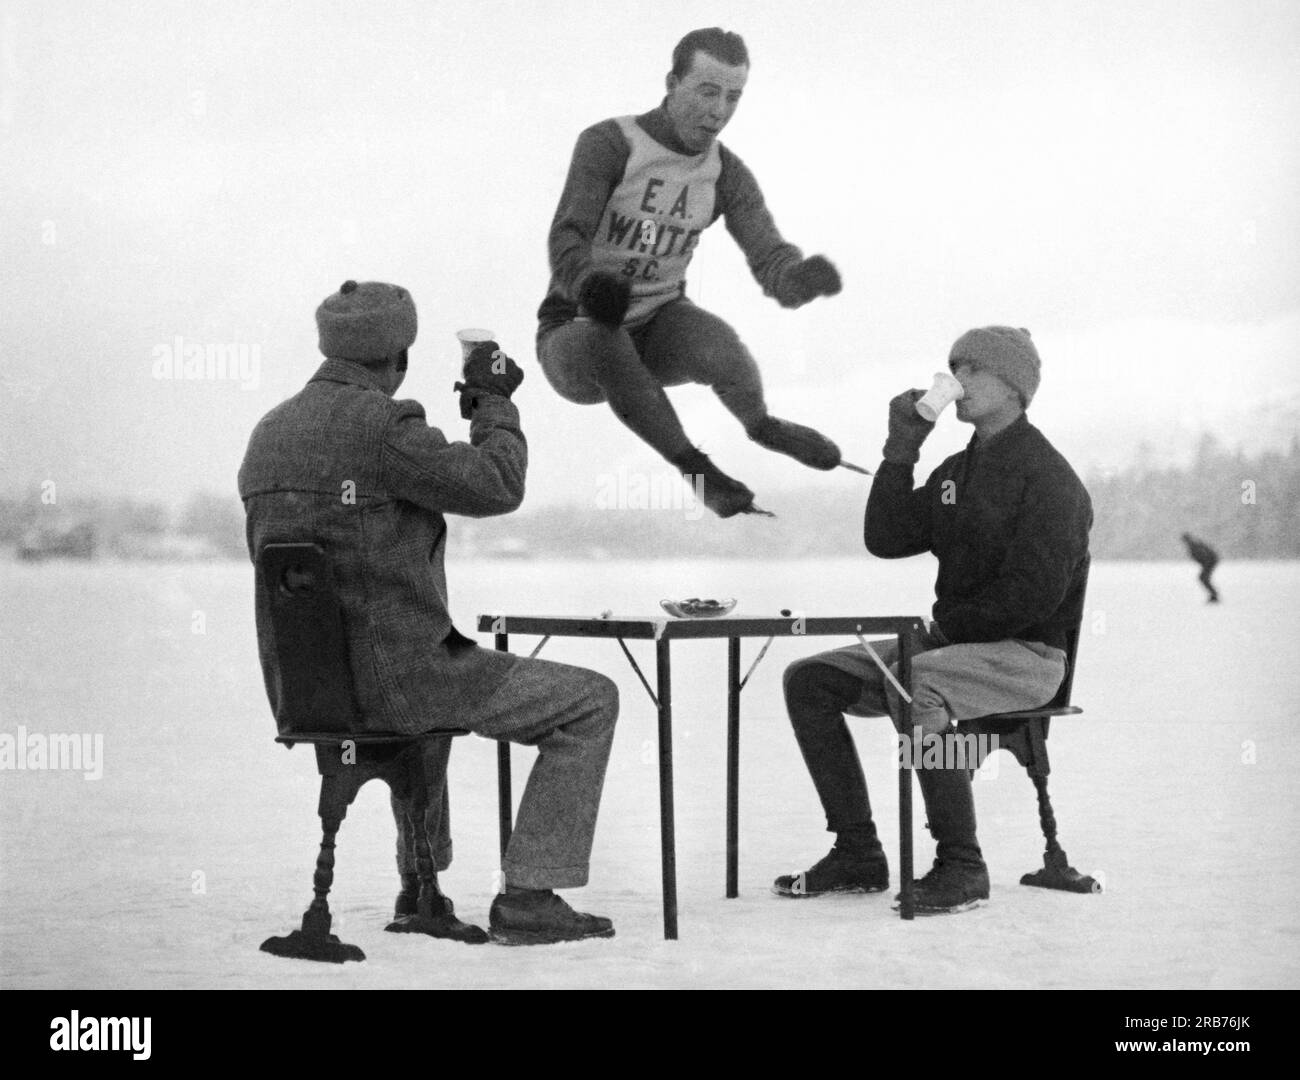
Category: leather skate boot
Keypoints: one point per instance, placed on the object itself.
(846, 869)
(721, 494)
(950, 887)
(959, 880)
(806, 446)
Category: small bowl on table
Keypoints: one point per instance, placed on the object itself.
(697, 608)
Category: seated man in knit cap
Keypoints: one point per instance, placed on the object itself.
(1008, 520)
(344, 464)
(616, 325)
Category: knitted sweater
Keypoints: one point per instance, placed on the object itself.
(1008, 520)
(635, 202)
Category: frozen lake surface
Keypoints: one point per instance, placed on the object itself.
(1179, 787)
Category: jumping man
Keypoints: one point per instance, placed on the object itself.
(616, 325)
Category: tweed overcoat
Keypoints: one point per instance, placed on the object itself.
(346, 466)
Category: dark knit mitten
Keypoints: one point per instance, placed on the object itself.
(907, 429)
(815, 276)
(487, 371)
(605, 298)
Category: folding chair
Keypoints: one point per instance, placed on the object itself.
(314, 701)
(1024, 734)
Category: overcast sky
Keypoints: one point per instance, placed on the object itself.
(1118, 177)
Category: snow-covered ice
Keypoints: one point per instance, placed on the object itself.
(1178, 787)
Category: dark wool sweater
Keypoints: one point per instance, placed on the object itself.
(1008, 520)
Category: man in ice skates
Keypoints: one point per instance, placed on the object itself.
(1008, 520)
(616, 325)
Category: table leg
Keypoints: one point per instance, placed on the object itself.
(667, 831)
(906, 905)
(733, 767)
(505, 817)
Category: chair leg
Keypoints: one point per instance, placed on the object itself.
(418, 829)
(505, 807)
(314, 941)
(424, 784)
(1057, 873)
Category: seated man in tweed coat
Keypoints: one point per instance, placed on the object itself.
(344, 464)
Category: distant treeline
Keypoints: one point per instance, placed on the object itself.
(49, 523)
(1246, 507)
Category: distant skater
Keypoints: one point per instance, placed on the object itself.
(1208, 558)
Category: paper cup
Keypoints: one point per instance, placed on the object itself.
(945, 390)
(469, 338)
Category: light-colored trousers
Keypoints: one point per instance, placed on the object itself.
(568, 713)
(951, 682)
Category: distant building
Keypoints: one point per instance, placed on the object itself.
(509, 547)
(51, 542)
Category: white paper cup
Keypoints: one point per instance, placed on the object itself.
(470, 337)
(945, 390)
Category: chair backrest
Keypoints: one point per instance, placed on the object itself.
(1078, 591)
(313, 677)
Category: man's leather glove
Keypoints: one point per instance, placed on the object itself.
(907, 429)
(815, 276)
(605, 297)
(487, 371)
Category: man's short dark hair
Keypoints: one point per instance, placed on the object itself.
(718, 43)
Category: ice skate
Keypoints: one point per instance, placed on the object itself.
(806, 446)
(841, 871)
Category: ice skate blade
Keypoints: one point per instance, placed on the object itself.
(847, 890)
(955, 909)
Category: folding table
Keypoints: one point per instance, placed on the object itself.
(663, 631)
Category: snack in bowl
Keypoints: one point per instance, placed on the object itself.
(695, 608)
